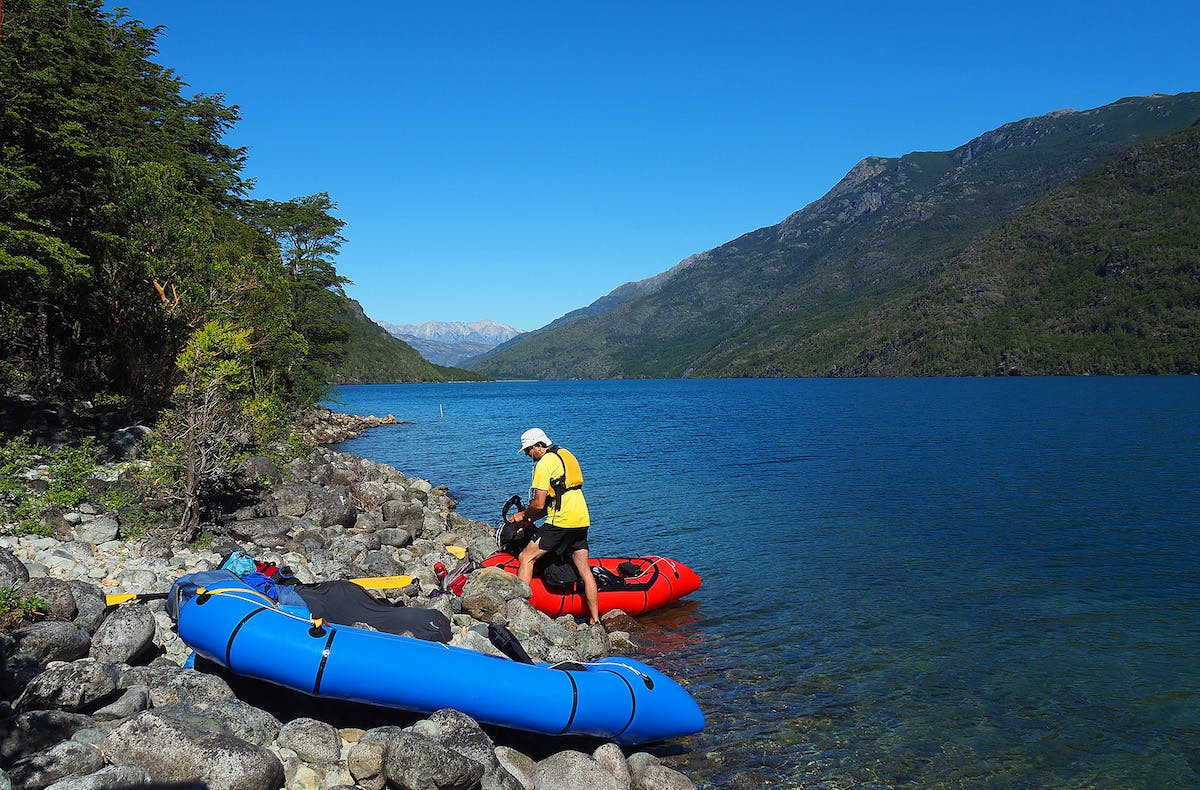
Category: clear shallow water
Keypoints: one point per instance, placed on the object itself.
(921, 582)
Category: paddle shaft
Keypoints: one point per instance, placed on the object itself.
(369, 582)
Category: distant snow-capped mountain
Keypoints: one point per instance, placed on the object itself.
(451, 342)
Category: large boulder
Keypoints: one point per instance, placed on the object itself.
(13, 572)
(313, 741)
(417, 761)
(573, 769)
(38, 730)
(55, 593)
(112, 777)
(325, 506)
(461, 734)
(173, 751)
(414, 761)
(78, 686)
(30, 649)
(125, 635)
(64, 760)
(270, 531)
(402, 514)
(246, 721)
(97, 530)
(51, 640)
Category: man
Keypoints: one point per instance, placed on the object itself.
(557, 495)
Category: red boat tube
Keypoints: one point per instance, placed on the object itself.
(642, 584)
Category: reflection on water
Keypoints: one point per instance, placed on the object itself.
(924, 583)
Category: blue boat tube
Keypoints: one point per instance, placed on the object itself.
(616, 698)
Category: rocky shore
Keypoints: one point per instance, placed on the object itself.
(95, 696)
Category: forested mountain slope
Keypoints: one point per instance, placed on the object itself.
(753, 306)
(1099, 277)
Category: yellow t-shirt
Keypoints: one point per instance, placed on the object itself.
(573, 510)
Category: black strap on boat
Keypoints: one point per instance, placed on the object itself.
(324, 658)
(574, 704)
(632, 703)
(233, 634)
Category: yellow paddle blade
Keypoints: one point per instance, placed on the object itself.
(113, 599)
(457, 551)
(383, 582)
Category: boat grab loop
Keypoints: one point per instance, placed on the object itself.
(576, 666)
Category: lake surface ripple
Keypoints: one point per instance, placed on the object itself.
(907, 582)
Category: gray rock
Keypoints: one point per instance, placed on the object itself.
(365, 761)
(592, 641)
(572, 769)
(261, 470)
(125, 634)
(100, 530)
(35, 731)
(333, 507)
(125, 442)
(257, 510)
(15, 674)
(92, 736)
(368, 522)
(271, 531)
(291, 499)
(313, 741)
(64, 760)
(154, 675)
(396, 537)
(172, 751)
(521, 616)
(639, 762)
(199, 719)
(245, 721)
(90, 605)
(13, 572)
(70, 687)
(660, 777)
(56, 593)
(518, 765)
(409, 516)
(325, 506)
(369, 494)
(502, 584)
(483, 604)
(419, 763)
(461, 734)
(190, 687)
(110, 777)
(612, 759)
(133, 701)
(51, 640)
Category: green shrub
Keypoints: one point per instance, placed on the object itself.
(15, 609)
(69, 470)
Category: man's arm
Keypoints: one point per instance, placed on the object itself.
(534, 510)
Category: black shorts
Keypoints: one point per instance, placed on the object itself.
(562, 541)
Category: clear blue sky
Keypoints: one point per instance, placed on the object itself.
(515, 161)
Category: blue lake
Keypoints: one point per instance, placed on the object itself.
(907, 582)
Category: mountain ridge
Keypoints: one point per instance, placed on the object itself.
(376, 357)
(887, 225)
(452, 342)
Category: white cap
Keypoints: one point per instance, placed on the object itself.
(534, 436)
